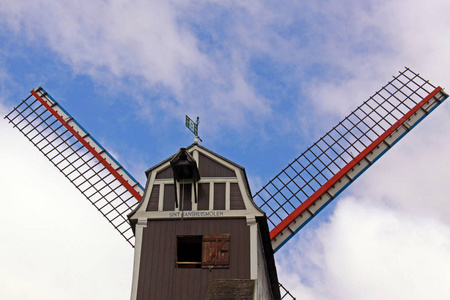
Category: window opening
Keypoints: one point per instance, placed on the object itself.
(189, 251)
(207, 252)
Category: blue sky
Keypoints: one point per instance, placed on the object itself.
(266, 80)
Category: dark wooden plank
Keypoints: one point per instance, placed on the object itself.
(211, 168)
(219, 196)
(187, 198)
(163, 291)
(145, 263)
(203, 196)
(161, 261)
(157, 263)
(236, 199)
(165, 174)
(169, 198)
(154, 199)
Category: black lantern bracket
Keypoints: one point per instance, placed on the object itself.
(184, 168)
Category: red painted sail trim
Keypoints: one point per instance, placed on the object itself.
(97, 155)
(308, 202)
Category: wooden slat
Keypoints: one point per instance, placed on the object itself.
(203, 196)
(154, 199)
(236, 200)
(219, 196)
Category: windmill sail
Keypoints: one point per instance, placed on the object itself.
(285, 294)
(318, 175)
(93, 171)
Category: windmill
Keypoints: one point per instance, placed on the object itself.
(290, 200)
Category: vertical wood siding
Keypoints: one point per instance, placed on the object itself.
(203, 196)
(210, 168)
(158, 276)
(169, 198)
(219, 196)
(165, 174)
(236, 200)
(154, 198)
(187, 202)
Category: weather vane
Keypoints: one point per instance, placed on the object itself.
(193, 127)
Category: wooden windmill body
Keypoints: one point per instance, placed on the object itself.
(210, 240)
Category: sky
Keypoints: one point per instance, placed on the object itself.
(267, 79)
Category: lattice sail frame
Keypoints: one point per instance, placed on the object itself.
(294, 196)
(285, 294)
(93, 171)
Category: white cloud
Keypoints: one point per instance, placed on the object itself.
(53, 240)
(413, 175)
(367, 252)
(150, 44)
(120, 38)
(373, 42)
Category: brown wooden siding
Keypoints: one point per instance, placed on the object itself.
(169, 198)
(203, 196)
(158, 276)
(164, 174)
(219, 196)
(154, 199)
(236, 200)
(210, 168)
(187, 203)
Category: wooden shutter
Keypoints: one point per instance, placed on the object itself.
(216, 251)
